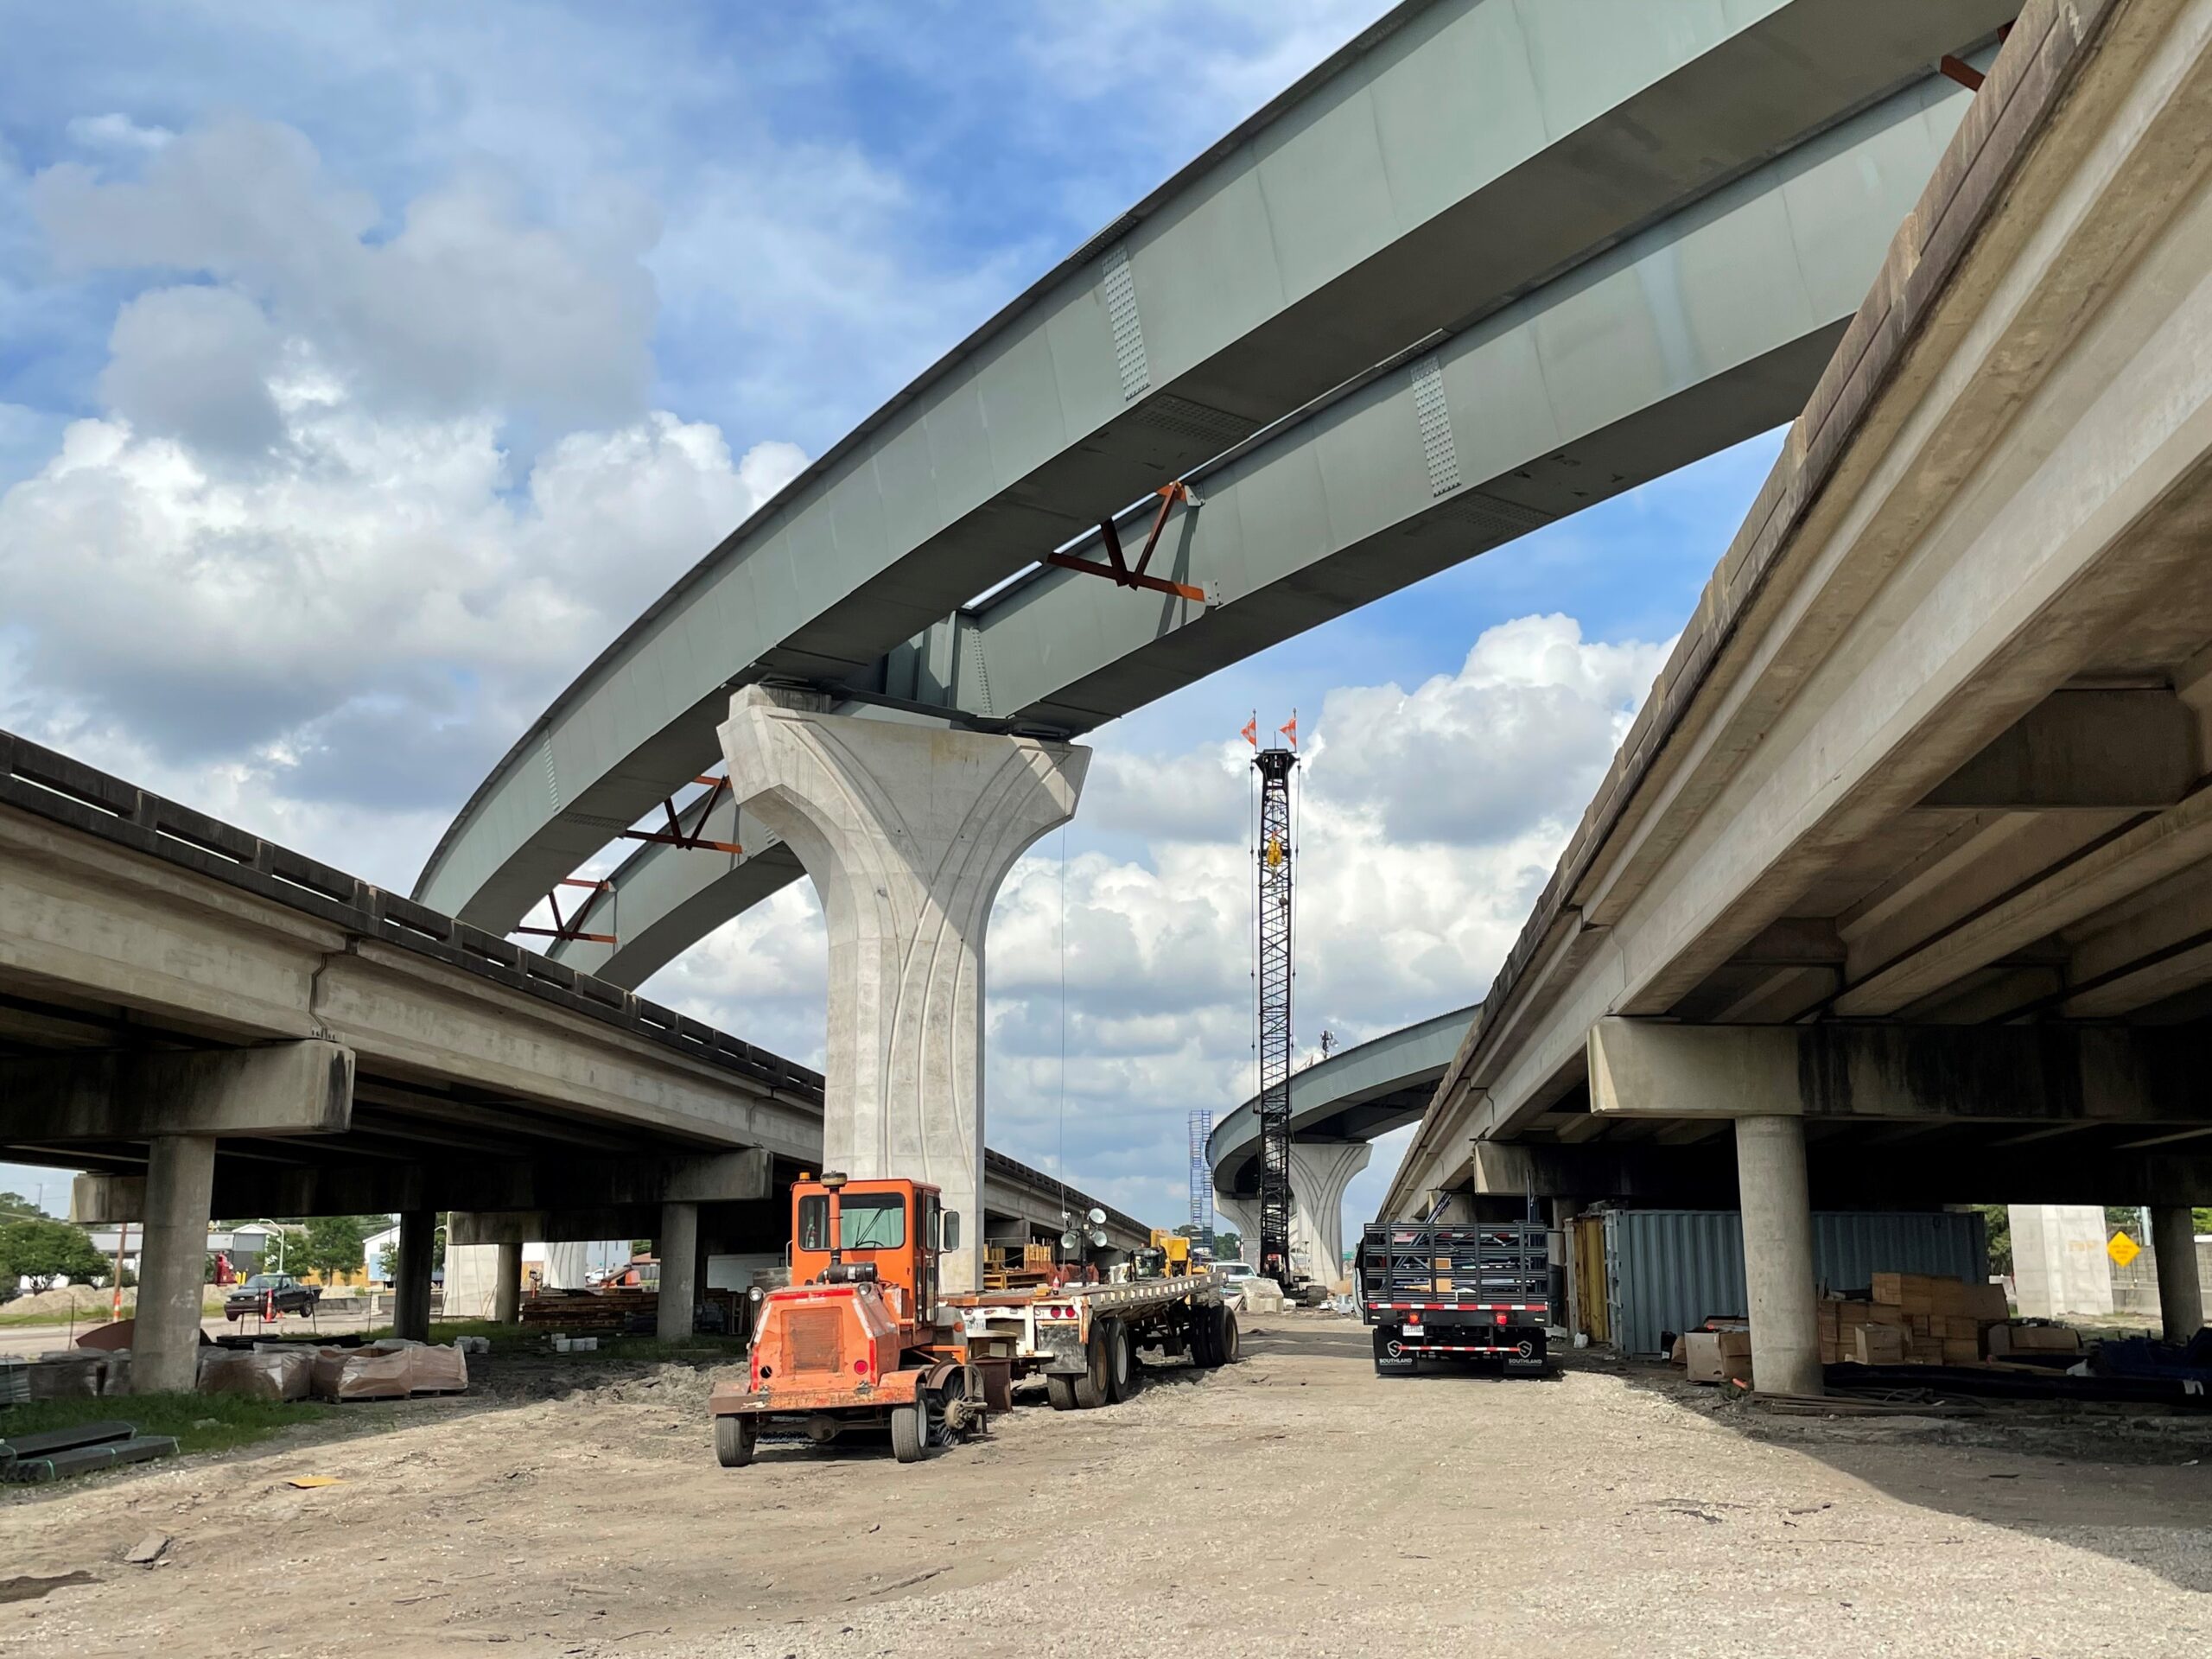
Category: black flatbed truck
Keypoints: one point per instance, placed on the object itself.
(1466, 1290)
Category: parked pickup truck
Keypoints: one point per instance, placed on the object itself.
(270, 1295)
(1465, 1291)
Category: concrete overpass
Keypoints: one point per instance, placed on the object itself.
(1338, 1107)
(208, 1022)
(1899, 890)
(1320, 323)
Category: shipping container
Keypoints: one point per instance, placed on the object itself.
(1667, 1269)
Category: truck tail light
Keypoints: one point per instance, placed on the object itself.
(860, 1367)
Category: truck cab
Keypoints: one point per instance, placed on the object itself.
(856, 1339)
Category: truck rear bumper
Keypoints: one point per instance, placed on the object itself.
(896, 1390)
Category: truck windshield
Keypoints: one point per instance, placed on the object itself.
(867, 1221)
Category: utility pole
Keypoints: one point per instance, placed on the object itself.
(1274, 853)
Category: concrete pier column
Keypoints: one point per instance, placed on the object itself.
(1241, 1216)
(677, 1246)
(1778, 1255)
(2181, 1297)
(907, 831)
(1319, 1173)
(172, 1263)
(506, 1285)
(410, 1275)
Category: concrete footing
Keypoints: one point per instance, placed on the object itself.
(907, 831)
(1777, 1211)
(172, 1263)
(2181, 1297)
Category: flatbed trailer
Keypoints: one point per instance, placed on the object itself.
(1083, 1338)
(1465, 1291)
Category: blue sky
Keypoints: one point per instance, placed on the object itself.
(362, 370)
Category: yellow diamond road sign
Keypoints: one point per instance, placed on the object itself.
(2123, 1250)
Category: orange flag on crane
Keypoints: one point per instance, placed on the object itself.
(1290, 731)
(1252, 731)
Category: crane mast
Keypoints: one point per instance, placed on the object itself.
(1274, 854)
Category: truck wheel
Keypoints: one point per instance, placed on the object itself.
(734, 1439)
(1226, 1342)
(910, 1430)
(1121, 1362)
(1061, 1390)
(1092, 1389)
(1202, 1336)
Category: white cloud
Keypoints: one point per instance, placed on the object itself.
(115, 131)
(466, 304)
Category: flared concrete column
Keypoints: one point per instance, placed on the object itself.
(1242, 1215)
(2181, 1298)
(410, 1275)
(677, 1247)
(567, 1261)
(1319, 1173)
(506, 1285)
(172, 1263)
(1777, 1209)
(907, 831)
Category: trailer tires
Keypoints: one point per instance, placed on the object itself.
(734, 1439)
(910, 1430)
(1226, 1342)
(1121, 1361)
(1061, 1390)
(1094, 1387)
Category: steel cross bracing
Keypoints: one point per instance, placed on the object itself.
(1201, 1180)
(1273, 852)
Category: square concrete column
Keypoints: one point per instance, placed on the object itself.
(506, 1285)
(907, 831)
(678, 1250)
(410, 1274)
(172, 1263)
(1777, 1209)
(2181, 1298)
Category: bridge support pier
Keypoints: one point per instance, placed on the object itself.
(907, 831)
(1777, 1209)
(2181, 1297)
(172, 1263)
(410, 1275)
(1319, 1173)
(506, 1282)
(677, 1246)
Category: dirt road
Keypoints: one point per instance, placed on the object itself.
(1292, 1504)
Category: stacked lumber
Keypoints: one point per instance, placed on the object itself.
(1912, 1318)
(1017, 1268)
(590, 1312)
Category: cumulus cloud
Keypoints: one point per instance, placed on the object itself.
(465, 303)
(304, 555)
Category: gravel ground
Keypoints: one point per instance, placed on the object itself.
(1294, 1503)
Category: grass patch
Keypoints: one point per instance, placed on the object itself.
(89, 1316)
(200, 1422)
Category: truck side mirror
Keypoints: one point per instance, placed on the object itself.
(952, 1229)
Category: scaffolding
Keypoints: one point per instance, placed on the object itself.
(1273, 852)
(1201, 1181)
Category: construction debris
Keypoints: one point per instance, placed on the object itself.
(52, 1454)
(147, 1550)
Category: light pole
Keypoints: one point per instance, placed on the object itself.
(276, 1232)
